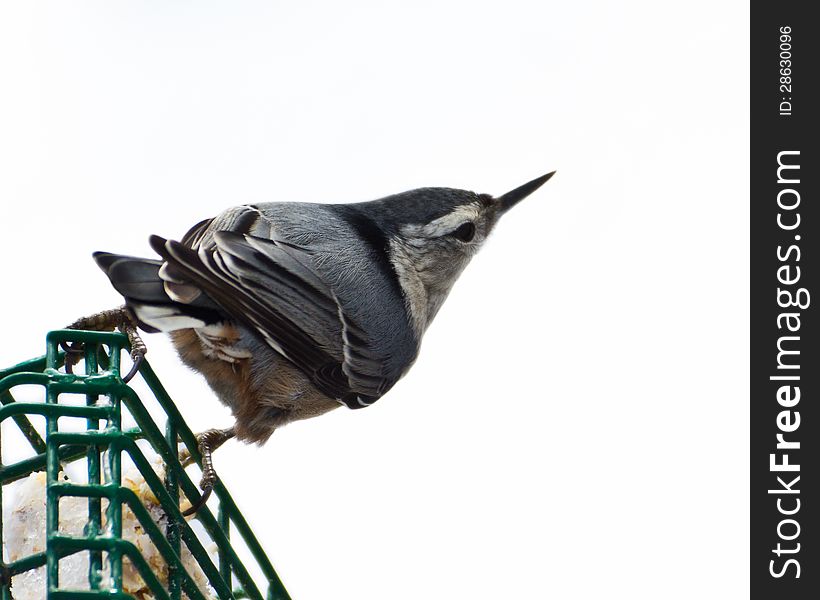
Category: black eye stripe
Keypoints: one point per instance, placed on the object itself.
(464, 232)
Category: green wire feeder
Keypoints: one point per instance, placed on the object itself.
(102, 536)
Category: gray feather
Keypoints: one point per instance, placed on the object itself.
(301, 292)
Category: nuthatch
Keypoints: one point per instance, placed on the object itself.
(291, 309)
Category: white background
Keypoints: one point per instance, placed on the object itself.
(577, 423)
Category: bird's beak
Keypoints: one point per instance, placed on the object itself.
(510, 199)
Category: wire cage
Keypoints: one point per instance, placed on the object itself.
(98, 398)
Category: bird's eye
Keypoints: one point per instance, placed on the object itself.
(465, 232)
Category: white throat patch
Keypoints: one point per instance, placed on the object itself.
(423, 278)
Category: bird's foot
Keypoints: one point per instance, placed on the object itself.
(207, 441)
(108, 320)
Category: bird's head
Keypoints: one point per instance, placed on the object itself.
(432, 234)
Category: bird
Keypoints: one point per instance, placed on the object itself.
(292, 309)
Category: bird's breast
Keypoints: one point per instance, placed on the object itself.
(263, 389)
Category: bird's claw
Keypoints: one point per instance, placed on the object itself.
(206, 487)
(207, 442)
(108, 320)
(73, 354)
(137, 356)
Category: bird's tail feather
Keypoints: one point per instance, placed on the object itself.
(146, 294)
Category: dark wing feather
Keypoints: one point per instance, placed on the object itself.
(274, 288)
(195, 234)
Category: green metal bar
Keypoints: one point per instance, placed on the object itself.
(55, 410)
(103, 437)
(94, 526)
(166, 502)
(24, 378)
(34, 365)
(172, 509)
(225, 525)
(9, 473)
(276, 589)
(115, 341)
(5, 572)
(93, 341)
(27, 563)
(144, 420)
(64, 446)
(114, 510)
(35, 441)
(88, 595)
(172, 532)
(185, 579)
(52, 502)
(92, 385)
(33, 561)
(68, 384)
(128, 497)
(26, 467)
(204, 515)
(118, 547)
(68, 454)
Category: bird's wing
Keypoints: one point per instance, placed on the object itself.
(194, 235)
(274, 288)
